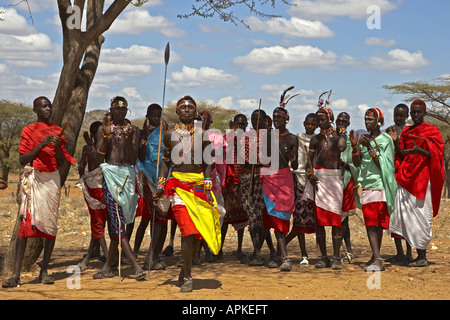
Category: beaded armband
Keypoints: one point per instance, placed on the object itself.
(100, 152)
(372, 153)
(207, 182)
(161, 183)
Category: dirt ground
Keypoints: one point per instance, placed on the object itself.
(229, 279)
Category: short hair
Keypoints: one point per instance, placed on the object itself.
(94, 126)
(37, 100)
(240, 115)
(262, 114)
(401, 105)
(311, 115)
(153, 106)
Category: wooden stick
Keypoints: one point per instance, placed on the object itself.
(120, 240)
(411, 135)
(62, 130)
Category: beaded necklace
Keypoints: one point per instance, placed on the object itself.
(189, 129)
(118, 130)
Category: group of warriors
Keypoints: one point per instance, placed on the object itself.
(312, 181)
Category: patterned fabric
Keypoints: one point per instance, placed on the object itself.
(303, 217)
(233, 206)
(113, 225)
(255, 206)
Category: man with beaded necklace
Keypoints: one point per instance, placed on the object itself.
(189, 187)
(118, 143)
(325, 149)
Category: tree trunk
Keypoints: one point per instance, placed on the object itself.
(32, 252)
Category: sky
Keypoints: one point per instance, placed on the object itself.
(352, 47)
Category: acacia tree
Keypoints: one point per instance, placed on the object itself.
(81, 53)
(437, 96)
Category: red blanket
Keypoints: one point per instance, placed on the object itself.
(32, 135)
(415, 170)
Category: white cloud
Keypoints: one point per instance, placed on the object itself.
(399, 60)
(293, 28)
(226, 102)
(138, 21)
(22, 46)
(14, 23)
(135, 61)
(204, 76)
(277, 59)
(137, 54)
(326, 10)
(374, 41)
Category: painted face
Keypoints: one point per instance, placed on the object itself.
(371, 121)
(186, 111)
(400, 116)
(323, 121)
(44, 109)
(342, 122)
(417, 114)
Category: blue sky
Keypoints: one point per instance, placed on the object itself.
(315, 46)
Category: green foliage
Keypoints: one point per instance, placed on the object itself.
(14, 117)
(436, 95)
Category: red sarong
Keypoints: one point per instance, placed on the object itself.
(185, 222)
(98, 217)
(27, 230)
(376, 214)
(327, 218)
(348, 202)
(278, 225)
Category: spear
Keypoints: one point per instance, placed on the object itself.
(166, 62)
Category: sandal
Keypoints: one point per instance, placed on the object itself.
(140, 275)
(419, 263)
(304, 261)
(103, 274)
(11, 283)
(376, 265)
(336, 264)
(187, 285)
(46, 279)
(286, 265)
(324, 262)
